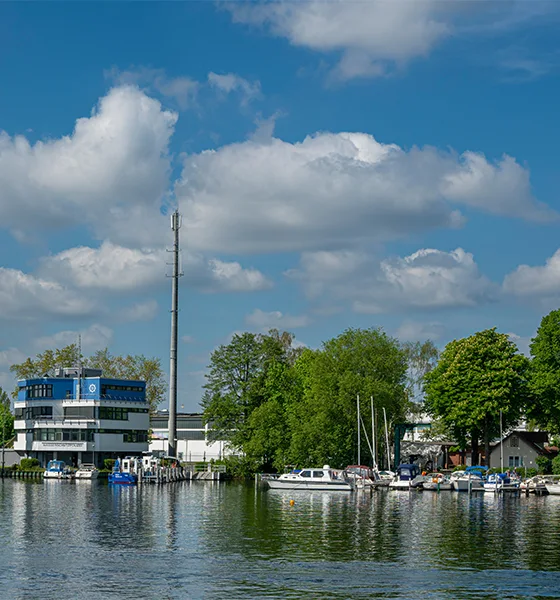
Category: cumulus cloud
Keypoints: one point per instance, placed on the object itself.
(24, 296)
(371, 36)
(275, 320)
(334, 189)
(110, 173)
(141, 311)
(95, 337)
(427, 279)
(540, 281)
(118, 269)
(183, 90)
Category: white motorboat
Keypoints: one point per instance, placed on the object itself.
(408, 476)
(501, 482)
(87, 471)
(437, 482)
(325, 479)
(57, 469)
(553, 485)
(470, 480)
(534, 485)
(364, 477)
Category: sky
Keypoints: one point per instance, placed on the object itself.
(336, 164)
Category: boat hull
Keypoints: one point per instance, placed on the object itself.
(88, 476)
(553, 489)
(123, 478)
(433, 486)
(463, 485)
(320, 486)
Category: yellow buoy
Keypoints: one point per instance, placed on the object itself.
(292, 502)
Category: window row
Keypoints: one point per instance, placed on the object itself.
(122, 388)
(85, 435)
(40, 390)
(33, 412)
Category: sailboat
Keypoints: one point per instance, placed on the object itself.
(501, 482)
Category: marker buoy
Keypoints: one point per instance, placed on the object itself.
(292, 502)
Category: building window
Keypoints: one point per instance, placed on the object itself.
(43, 390)
(34, 412)
(134, 437)
(514, 442)
(515, 461)
(113, 414)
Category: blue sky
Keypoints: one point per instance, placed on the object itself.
(337, 164)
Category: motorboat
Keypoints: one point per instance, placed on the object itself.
(501, 482)
(553, 485)
(87, 471)
(471, 480)
(325, 479)
(407, 477)
(437, 482)
(57, 469)
(364, 477)
(125, 472)
(534, 485)
(385, 478)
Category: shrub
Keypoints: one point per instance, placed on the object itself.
(544, 464)
(26, 464)
(109, 463)
(556, 465)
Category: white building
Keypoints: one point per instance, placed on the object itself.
(80, 419)
(192, 438)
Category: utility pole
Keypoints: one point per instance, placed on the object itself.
(175, 226)
(3, 440)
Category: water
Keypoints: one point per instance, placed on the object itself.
(77, 540)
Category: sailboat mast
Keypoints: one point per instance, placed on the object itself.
(387, 440)
(374, 456)
(501, 446)
(358, 412)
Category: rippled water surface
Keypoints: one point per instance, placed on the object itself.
(206, 540)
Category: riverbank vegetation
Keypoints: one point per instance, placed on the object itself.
(280, 404)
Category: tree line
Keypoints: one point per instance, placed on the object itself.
(279, 404)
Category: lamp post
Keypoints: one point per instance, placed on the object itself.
(3, 441)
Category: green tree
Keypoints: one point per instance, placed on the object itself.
(323, 424)
(6, 419)
(475, 379)
(236, 382)
(421, 358)
(137, 367)
(544, 379)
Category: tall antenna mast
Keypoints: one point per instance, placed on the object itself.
(79, 367)
(175, 226)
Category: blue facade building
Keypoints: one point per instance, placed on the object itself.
(79, 416)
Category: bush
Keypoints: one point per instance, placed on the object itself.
(556, 465)
(26, 464)
(544, 465)
(109, 463)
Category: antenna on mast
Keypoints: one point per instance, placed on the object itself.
(176, 222)
(79, 367)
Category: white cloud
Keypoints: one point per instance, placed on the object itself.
(24, 296)
(188, 339)
(372, 36)
(413, 331)
(95, 337)
(522, 342)
(231, 82)
(115, 268)
(183, 90)
(335, 189)
(427, 279)
(541, 282)
(110, 174)
(275, 320)
(11, 356)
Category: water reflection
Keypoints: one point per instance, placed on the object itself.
(208, 540)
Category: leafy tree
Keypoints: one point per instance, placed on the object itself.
(323, 424)
(236, 383)
(475, 379)
(544, 464)
(6, 419)
(545, 374)
(137, 367)
(422, 357)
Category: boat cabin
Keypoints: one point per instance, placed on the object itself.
(407, 472)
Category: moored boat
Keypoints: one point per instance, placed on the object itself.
(87, 471)
(408, 476)
(325, 479)
(471, 480)
(57, 469)
(437, 482)
(501, 482)
(125, 473)
(364, 477)
(553, 485)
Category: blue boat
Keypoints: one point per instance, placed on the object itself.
(57, 469)
(123, 475)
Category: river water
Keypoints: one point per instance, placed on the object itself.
(74, 540)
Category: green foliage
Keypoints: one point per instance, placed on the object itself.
(109, 463)
(556, 465)
(7, 432)
(475, 378)
(137, 367)
(421, 358)
(27, 464)
(544, 464)
(545, 374)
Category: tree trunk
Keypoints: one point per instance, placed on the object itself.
(474, 447)
(486, 444)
